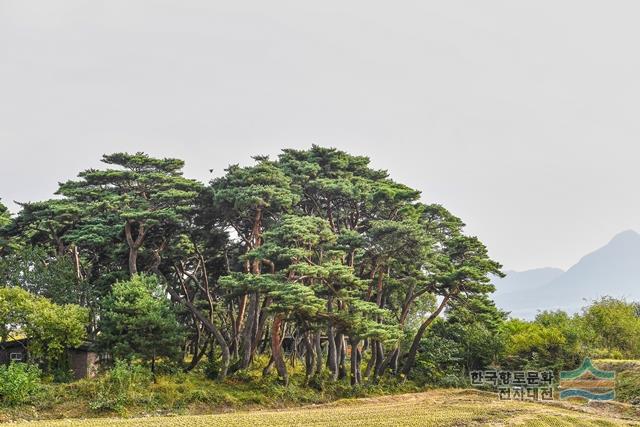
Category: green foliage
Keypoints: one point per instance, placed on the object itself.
(35, 270)
(119, 387)
(439, 356)
(244, 189)
(470, 338)
(613, 326)
(7, 242)
(5, 222)
(301, 265)
(129, 390)
(475, 335)
(50, 328)
(54, 328)
(141, 203)
(535, 345)
(139, 322)
(314, 245)
(607, 328)
(19, 382)
(5, 216)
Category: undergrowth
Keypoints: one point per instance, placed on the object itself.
(131, 391)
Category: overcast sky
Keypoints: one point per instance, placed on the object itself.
(522, 117)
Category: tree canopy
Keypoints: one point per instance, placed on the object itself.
(138, 322)
(313, 253)
(50, 328)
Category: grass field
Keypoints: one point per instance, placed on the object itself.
(432, 408)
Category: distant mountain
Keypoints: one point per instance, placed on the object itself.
(514, 292)
(612, 270)
(523, 280)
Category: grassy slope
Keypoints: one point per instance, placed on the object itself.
(190, 394)
(627, 378)
(432, 408)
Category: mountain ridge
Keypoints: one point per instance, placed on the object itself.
(612, 270)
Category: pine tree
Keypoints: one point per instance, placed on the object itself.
(138, 322)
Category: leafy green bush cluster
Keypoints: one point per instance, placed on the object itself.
(476, 336)
(50, 327)
(120, 386)
(19, 382)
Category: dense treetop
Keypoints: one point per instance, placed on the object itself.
(313, 252)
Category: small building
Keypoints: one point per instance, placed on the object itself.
(83, 360)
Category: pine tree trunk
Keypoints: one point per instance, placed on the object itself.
(372, 360)
(332, 357)
(210, 327)
(276, 348)
(342, 357)
(355, 361)
(379, 360)
(248, 334)
(319, 358)
(267, 369)
(134, 245)
(262, 320)
(411, 356)
(309, 356)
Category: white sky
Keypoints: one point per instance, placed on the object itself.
(519, 116)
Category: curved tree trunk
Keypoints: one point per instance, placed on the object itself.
(276, 348)
(198, 354)
(210, 327)
(411, 355)
(260, 332)
(134, 245)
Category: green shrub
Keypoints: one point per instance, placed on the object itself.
(628, 387)
(605, 353)
(198, 395)
(18, 383)
(62, 375)
(120, 386)
(212, 368)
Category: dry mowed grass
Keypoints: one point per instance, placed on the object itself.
(432, 408)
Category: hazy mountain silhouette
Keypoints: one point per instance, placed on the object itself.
(612, 270)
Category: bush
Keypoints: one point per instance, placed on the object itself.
(212, 368)
(18, 383)
(120, 386)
